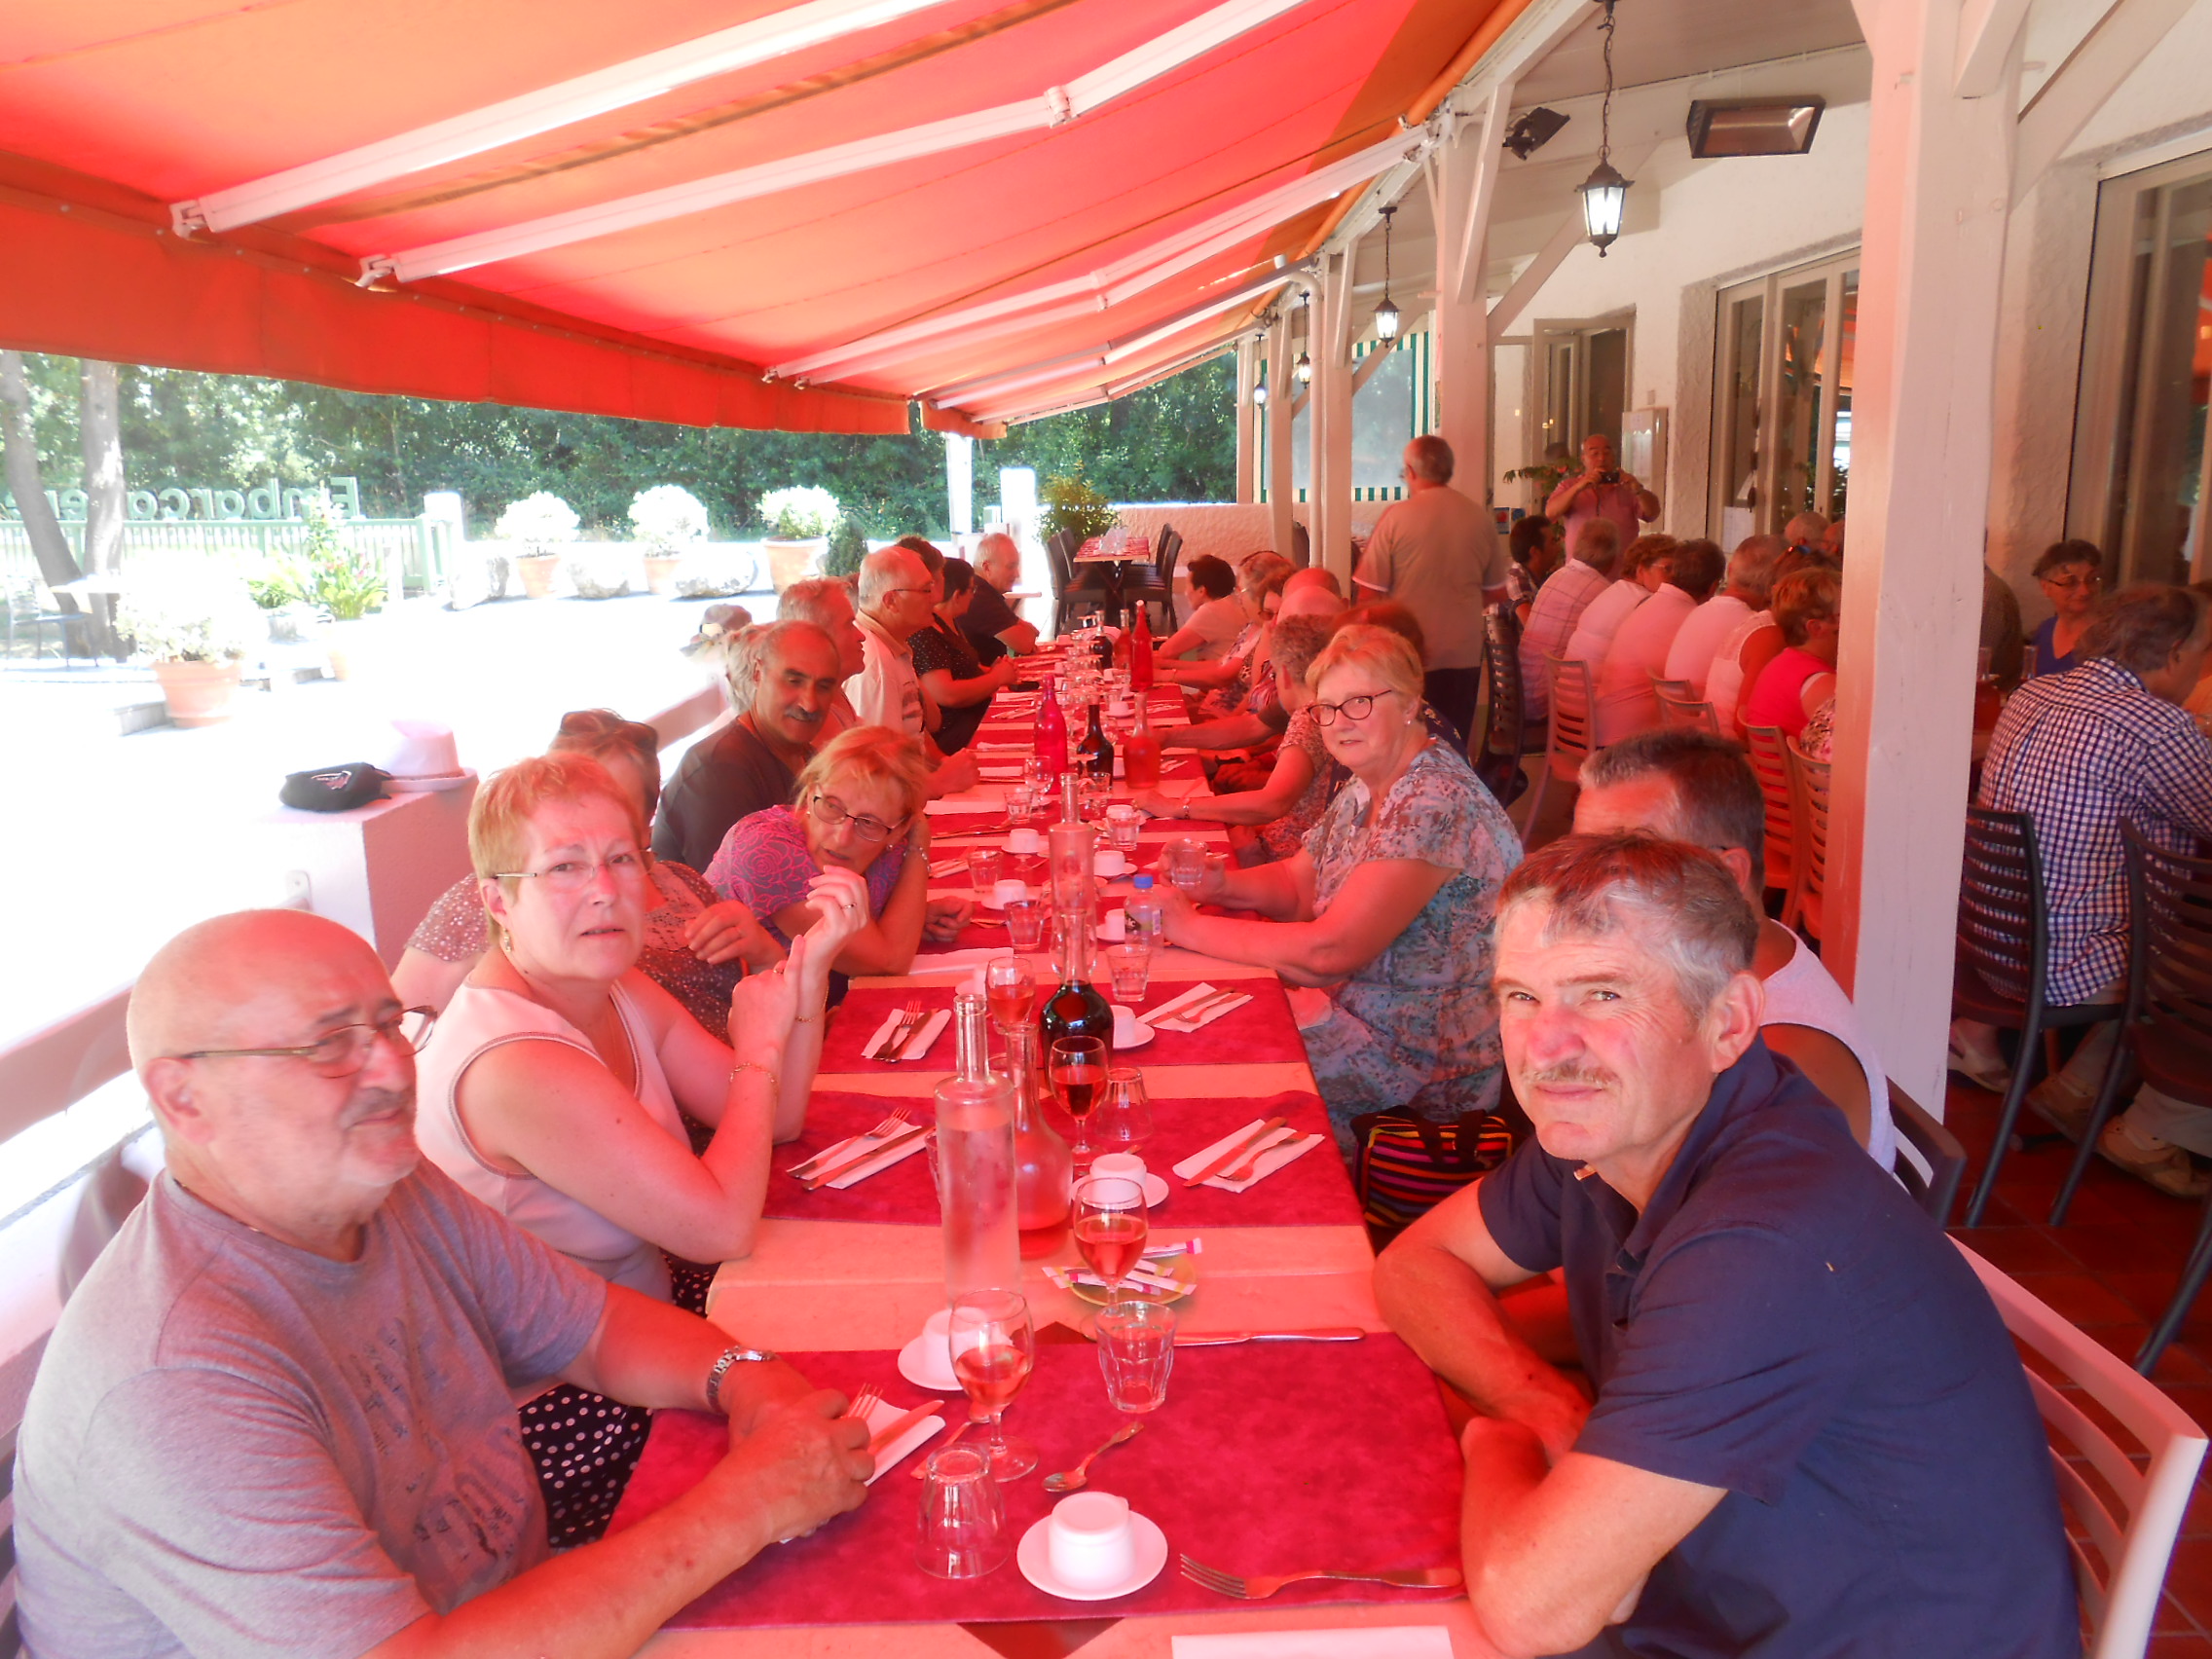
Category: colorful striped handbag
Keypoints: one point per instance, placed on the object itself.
(1408, 1165)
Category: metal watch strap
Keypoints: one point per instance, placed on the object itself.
(732, 1355)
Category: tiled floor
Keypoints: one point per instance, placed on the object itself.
(2111, 1269)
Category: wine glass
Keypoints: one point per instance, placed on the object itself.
(1111, 1227)
(1078, 1072)
(1122, 1119)
(1012, 987)
(994, 1347)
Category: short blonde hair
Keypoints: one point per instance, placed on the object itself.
(1263, 573)
(871, 754)
(1389, 656)
(1813, 595)
(601, 732)
(500, 818)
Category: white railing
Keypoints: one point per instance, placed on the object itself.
(422, 547)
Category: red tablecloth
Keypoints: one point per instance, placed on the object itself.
(1266, 1458)
(1315, 1191)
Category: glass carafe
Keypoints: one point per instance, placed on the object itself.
(975, 1163)
(1043, 1165)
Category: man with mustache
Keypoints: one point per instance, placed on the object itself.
(277, 1417)
(791, 673)
(1811, 1434)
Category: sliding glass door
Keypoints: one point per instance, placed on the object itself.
(1785, 345)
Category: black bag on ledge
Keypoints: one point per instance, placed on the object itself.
(335, 789)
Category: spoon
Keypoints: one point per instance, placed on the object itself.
(1079, 1477)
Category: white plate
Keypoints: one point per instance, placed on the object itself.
(1137, 1032)
(914, 1359)
(1156, 1190)
(1035, 1557)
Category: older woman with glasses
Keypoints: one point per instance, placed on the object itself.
(554, 1084)
(858, 807)
(2072, 574)
(1390, 905)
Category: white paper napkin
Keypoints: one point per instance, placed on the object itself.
(881, 1416)
(1166, 1010)
(957, 961)
(1165, 1018)
(967, 800)
(877, 1164)
(1284, 1146)
(918, 1045)
(1350, 1641)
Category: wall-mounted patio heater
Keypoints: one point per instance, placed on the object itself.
(1754, 127)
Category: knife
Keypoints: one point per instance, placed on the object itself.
(1236, 1151)
(1319, 1334)
(821, 1178)
(899, 1426)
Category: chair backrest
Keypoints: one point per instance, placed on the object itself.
(1570, 737)
(2170, 943)
(1301, 546)
(2004, 923)
(1808, 813)
(1060, 553)
(11, 1631)
(1666, 687)
(2122, 1517)
(1496, 753)
(1166, 555)
(1686, 713)
(1770, 760)
(1930, 1159)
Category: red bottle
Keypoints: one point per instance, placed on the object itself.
(1051, 733)
(1140, 752)
(1140, 653)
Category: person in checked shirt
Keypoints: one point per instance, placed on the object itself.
(2082, 753)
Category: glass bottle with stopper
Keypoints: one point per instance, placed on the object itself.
(1075, 1009)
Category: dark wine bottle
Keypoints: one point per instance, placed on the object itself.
(1095, 752)
(1075, 1009)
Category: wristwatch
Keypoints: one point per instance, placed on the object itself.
(736, 1355)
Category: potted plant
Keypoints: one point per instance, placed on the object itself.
(193, 621)
(1072, 504)
(542, 525)
(671, 523)
(344, 583)
(847, 548)
(799, 520)
(600, 569)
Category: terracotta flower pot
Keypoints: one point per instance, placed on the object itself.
(199, 694)
(660, 572)
(538, 570)
(791, 562)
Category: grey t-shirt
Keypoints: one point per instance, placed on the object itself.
(1434, 552)
(237, 1448)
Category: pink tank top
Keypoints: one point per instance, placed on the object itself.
(1779, 698)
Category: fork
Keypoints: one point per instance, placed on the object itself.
(911, 1022)
(1198, 1009)
(1260, 1589)
(1244, 1167)
(863, 1402)
(891, 1125)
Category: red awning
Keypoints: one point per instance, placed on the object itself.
(1000, 205)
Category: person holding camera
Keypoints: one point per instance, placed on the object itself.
(1602, 490)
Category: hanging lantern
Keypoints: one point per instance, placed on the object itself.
(1260, 392)
(1304, 369)
(1387, 313)
(1604, 192)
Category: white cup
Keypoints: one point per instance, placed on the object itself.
(1109, 862)
(1114, 925)
(1091, 1542)
(1025, 842)
(1009, 890)
(1126, 1164)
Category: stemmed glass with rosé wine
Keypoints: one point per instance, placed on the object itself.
(1078, 1072)
(994, 1348)
(1111, 1227)
(1011, 984)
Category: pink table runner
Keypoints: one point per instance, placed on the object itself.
(1266, 1458)
(1313, 1192)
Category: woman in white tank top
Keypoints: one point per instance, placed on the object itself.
(551, 1085)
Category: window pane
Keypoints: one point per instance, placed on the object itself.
(1382, 424)
(1608, 382)
(1740, 417)
(2159, 456)
(1797, 411)
(1847, 353)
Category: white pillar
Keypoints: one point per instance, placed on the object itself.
(1282, 385)
(960, 481)
(1247, 424)
(1329, 419)
(1459, 340)
(1938, 184)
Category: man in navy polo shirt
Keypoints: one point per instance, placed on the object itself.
(1811, 1435)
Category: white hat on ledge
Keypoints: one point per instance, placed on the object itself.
(423, 757)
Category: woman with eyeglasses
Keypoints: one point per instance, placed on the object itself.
(554, 1085)
(2072, 574)
(1390, 906)
(858, 807)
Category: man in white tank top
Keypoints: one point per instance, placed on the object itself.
(1689, 785)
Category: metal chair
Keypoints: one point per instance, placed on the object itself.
(2005, 940)
(1922, 1140)
(1074, 591)
(1496, 753)
(1770, 760)
(1809, 814)
(26, 613)
(1687, 714)
(2123, 1503)
(1570, 734)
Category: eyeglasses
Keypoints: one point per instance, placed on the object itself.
(830, 810)
(931, 591)
(1351, 708)
(572, 875)
(2069, 583)
(343, 1050)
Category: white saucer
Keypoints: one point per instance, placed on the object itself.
(1035, 1557)
(1138, 1032)
(914, 1358)
(1156, 1190)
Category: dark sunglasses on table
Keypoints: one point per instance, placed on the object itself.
(830, 810)
(571, 874)
(1351, 708)
(344, 1050)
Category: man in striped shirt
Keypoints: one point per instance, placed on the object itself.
(1559, 606)
(2082, 753)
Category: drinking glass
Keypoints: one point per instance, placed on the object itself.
(993, 1348)
(1132, 967)
(963, 1515)
(984, 867)
(1011, 984)
(1136, 1351)
(1187, 863)
(1092, 792)
(1122, 824)
(1026, 922)
(1111, 1227)
(1122, 1119)
(1021, 804)
(1033, 774)
(1078, 1072)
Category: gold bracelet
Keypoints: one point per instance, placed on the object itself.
(774, 1082)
